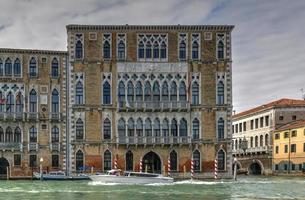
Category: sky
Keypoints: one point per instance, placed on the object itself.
(268, 38)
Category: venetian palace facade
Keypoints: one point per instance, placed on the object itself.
(150, 93)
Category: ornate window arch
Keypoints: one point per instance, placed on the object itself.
(165, 92)
(19, 102)
(79, 93)
(131, 128)
(156, 92)
(79, 50)
(157, 130)
(121, 93)
(107, 129)
(130, 92)
(182, 46)
(121, 43)
(139, 92)
(9, 137)
(183, 128)
(173, 91)
(121, 130)
(220, 50)
(182, 92)
(156, 51)
(148, 128)
(148, 50)
(174, 128)
(147, 91)
(141, 50)
(163, 51)
(10, 102)
(139, 130)
(107, 46)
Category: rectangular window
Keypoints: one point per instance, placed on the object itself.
(55, 160)
(286, 148)
(33, 160)
(294, 117)
(17, 159)
(121, 46)
(286, 135)
(261, 122)
(277, 136)
(292, 166)
(240, 127)
(285, 167)
(245, 126)
(294, 133)
(300, 167)
(256, 123)
(195, 46)
(281, 118)
(266, 120)
(293, 148)
(232, 128)
(276, 167)
(236, 128)
(277, 149)
(251, 123)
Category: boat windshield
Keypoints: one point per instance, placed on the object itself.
(114, 172)
(143, 174)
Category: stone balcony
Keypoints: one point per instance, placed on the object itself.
(12, 116)
(11, 146)
(251, 150)
(55, 146)
(33, 146)
(154, 140)
(154, 106)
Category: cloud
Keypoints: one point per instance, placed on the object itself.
(268, 39)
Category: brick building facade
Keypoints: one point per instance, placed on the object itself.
(150, 93)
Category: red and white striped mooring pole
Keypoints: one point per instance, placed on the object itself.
(141, 164)
(192, 168)
(168, 167)
(115, 163)
(215, 168)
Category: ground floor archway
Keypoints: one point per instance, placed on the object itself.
(4, 165)
(152, 162)
(255, 169)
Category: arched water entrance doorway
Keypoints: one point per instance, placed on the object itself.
(153, 162)
(4, 164)
(255, 169)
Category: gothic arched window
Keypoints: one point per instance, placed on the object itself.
(195, 129)
(79, 94)
(195, 93)
(130, 130)
(139, 92)
(78, 50)
(141, 50)
(121, 93)
(55, 134)
(220, 50)
(163, 50)
(17, 67)
(129, 161)
(10, 102)
(107, 160)
(148, 128)
(195, 50)
(33, 101)
(33, 134)
(183, 128)
(17, 135)
(33, 67)
(106, 50)
(182, 50)
(1, 135)
(165, 128)
(106, 93)
(220, 93)
(19, 103)
(165, 92)
(121, 50)
(147, 91)
(79, 161)
(174, 128)
(173, 92)
(107, 129)
(182, 92)
(221, 160)
(1, 67)
(121, 130)
(130, 92)
(156, 92)
(55, 101)
(196, 160)
(148, 50)
(173, 160)
(157, 131)
(8, 67)
(156, 51)
(79, 129)
(221, 127)
(54, 68)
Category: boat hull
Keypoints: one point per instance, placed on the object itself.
(130, 180)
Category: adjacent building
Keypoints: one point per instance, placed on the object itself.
(253, 133)
(32, 110)
(150, 93)
(289, 148)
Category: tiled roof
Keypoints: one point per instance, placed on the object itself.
(33, 51)
(292, 125)
(278, 103)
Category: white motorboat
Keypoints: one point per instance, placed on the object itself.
(59, 176)
(118, 176)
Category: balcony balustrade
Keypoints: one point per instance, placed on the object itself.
(154, 140)
(11, 116)
(154, 105)
(55, 116)
(251, 150)
(33, 146)
(13, 146)
(33, 116)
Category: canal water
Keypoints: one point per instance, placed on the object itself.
(243, 188)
